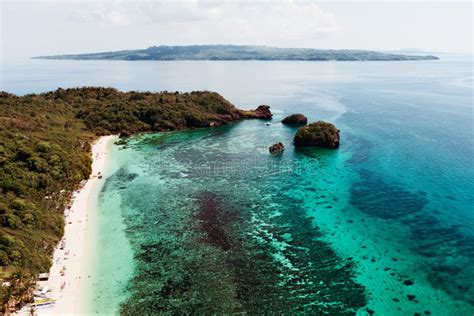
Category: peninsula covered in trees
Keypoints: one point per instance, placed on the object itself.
(45, 154)
(236, 52)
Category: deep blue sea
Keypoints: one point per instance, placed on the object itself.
(384, 224)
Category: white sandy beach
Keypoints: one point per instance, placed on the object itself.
(68, 271)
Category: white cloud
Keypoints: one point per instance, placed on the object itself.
(104, 13)
(211, 22)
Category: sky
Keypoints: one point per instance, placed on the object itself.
(33, 28)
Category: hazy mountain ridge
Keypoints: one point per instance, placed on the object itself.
(236, 52)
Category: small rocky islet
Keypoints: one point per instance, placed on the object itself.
(295, 119)
(276, 148)
(318, 134)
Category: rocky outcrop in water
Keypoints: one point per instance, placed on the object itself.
(319, 134)
(276, 148)
(295, 119)
(261, 112)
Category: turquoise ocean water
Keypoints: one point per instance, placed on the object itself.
(207, 221)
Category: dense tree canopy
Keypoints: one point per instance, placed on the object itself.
(318, 134)
(45, 153)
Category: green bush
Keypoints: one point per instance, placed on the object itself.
(319, 134)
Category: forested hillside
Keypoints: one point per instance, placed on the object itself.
(45, 153)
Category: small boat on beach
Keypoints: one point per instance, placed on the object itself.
(43, 276)
(43, 303)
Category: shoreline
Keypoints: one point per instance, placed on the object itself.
(68, 272)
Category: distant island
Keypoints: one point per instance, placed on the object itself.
(236, 52)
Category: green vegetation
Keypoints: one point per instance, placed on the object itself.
(319, 134)
(45, 153)
(236, 52)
